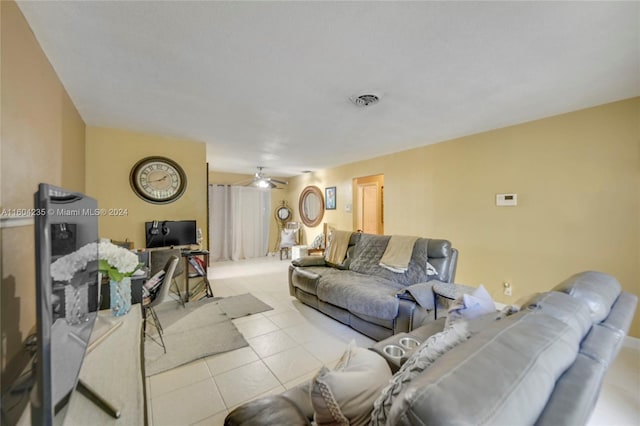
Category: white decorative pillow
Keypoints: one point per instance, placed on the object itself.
(345, 395)
(287, 238)
(471, 306)
(430, 350)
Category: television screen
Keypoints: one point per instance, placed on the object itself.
(67, 284)
(170, 233)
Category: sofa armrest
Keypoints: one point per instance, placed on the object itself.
(309, 261)
(420, 293)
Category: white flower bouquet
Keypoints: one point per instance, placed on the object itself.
(117, 262)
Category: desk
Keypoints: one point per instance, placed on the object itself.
(196, 271)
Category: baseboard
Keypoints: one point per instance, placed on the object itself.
(631, 342)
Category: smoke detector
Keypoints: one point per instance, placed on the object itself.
(365, 100)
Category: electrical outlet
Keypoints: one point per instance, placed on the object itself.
(507, 288)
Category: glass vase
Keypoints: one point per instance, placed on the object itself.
(76, 304)
(120, 292)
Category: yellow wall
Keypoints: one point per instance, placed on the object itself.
(42, 140)
(277, 195)
(577, 177)
(110, 156)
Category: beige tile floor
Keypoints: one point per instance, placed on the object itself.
(288, 344)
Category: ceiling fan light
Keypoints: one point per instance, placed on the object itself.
(262, 184)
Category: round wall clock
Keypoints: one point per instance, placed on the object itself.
(284, 213)
(158, 180)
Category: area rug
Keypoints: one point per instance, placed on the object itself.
(197, 330)
(242, 305)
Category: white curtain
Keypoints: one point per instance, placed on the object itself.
(239, 222)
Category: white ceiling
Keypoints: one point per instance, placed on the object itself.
(268, 83)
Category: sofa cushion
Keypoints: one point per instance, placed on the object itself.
(573, 312)
(430, 350)
(361, 294)
(573, 398)
(596, 289)
(502, 375)
(345, 395)
(371, 248)
(307, 278)
(621, 313)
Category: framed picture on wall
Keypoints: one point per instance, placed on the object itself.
(330, 197)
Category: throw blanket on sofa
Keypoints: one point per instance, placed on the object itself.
(397, 255)
(338, 245)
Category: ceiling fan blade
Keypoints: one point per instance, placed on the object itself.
(259, 180)
(281, 182)
(243, 182)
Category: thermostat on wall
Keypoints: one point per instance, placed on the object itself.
(506, 200)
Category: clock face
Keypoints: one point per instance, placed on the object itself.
(158, 180)
(284, 213)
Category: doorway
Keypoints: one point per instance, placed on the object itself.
(369, 204)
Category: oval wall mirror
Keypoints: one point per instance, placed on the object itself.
(311, 206)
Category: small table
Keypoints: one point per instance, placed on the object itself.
(187, 255)
(298, 251)
(450, 291)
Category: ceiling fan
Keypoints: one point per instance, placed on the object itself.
(260, 180)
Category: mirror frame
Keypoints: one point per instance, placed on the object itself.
(303, 195)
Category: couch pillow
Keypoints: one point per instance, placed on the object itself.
(430, 350)
(471, 306)
(287, 238)
(318, 241)
(345, 395)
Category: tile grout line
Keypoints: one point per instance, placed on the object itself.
(213, 378)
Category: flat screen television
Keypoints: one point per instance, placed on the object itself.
(170, 233)
(66, 307)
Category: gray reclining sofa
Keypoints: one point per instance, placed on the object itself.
(543, 365)
(369, 298)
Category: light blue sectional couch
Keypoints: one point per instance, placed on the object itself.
(543, 365)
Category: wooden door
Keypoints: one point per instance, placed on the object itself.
(369, 204)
